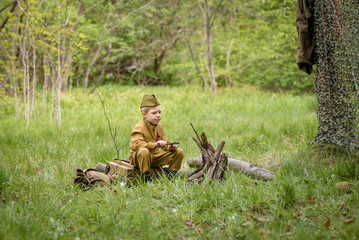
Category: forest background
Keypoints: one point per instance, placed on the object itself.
(67, 44)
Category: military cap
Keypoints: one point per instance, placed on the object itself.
(149, 101)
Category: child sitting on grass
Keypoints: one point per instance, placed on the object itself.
(149, 142)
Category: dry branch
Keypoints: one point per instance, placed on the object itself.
(213, 163)
(245, 167)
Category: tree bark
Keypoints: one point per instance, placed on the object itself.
(96, 56)
(46, 69)
(59, 74)
(229, 81)
(66, 64)
(52, 94)
(33, 85)
(25, 62)
(209, 51)
(94, 59)
(245, 167)
(103, 69)
(204, 81)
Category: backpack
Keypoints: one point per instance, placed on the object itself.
(88, 178)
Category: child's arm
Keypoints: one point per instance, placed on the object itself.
(137, 141)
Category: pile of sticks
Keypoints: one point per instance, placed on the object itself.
(213, 165)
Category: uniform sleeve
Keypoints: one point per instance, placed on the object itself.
(137, 140)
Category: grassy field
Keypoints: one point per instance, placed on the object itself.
(38, 163)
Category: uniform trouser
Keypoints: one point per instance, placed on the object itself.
(144, 159)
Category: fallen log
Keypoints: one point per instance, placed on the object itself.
(245, 167)
(214, 163)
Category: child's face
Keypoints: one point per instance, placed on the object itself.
(154, 115)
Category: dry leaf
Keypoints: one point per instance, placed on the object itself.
(245, 224)
(153, 212)
(344, 186)
(188, 222)
(349, 221)
(262, 231)
(198, 230)
(327, 222)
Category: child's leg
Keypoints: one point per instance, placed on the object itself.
(172, 158)
(142, 158)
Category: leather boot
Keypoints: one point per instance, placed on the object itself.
(146, 177)
(170, 174)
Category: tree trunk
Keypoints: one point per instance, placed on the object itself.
(65, 64)
(28, 88)
(204, 81)
(14, 70)
(33, 95)
(209, 51)
(25, 62)
(45, 85)
(103, 69)
(228, 68)
(97, 54)
(59, 76)
(58, 90)
(15, 96)
(94, 59)
(245, 167)
(52, 95)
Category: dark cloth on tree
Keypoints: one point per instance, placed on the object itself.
(304, 22)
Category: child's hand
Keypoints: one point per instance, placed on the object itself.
(161, 143)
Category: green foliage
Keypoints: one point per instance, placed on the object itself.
(3, 179)
(143, 43)
(348, 171)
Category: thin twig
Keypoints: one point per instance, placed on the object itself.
(196, 134)
(109, 126)
(124, 144)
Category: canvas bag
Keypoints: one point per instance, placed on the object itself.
(90, 177)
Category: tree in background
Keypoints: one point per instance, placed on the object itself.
(37, 34)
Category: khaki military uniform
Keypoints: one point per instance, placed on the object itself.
(144, 153)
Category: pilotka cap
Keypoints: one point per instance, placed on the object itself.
(149, 101)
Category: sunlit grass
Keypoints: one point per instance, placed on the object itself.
(39, 201)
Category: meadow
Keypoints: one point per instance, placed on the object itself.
(272, 130)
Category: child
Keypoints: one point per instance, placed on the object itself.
(149, 142)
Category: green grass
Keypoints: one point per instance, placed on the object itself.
(38, 163)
